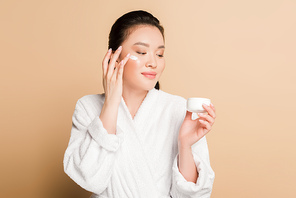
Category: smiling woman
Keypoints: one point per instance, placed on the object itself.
(135, 140)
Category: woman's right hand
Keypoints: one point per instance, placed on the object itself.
(112, 76)
(112, 82)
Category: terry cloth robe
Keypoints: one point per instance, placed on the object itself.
(140, 160)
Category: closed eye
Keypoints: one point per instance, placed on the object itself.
(159, 55)
(141, 53)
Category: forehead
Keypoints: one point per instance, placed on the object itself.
(146, 34)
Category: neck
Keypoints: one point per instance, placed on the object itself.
(133, 99)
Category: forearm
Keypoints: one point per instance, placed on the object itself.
(186, 164)
(108, 117)
(90, 146)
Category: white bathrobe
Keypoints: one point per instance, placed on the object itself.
(140, 161)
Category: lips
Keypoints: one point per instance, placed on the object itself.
(150, 75)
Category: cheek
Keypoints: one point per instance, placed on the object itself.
(131, 67)
(161, 65)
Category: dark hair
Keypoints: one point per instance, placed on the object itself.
(123, 27)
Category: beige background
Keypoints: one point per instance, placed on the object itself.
(241, 54)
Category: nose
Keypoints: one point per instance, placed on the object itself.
(151, 62)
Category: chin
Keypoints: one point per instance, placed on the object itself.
(149, 86)
(143, 85)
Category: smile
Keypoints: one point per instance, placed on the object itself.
(150, 75)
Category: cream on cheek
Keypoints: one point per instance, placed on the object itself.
(135, 60)
(131, 69)
(138, 62)
(133, 57)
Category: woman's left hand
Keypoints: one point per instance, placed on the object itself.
(193, 130)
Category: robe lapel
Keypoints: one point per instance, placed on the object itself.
(135, 142)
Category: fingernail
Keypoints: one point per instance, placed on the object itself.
(205, 104)
(128, 55)
(110, 50)
(201, 121)
(200, 114)
(119, 48)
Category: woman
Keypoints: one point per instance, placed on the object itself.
(136, 140)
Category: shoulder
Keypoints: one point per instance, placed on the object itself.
(91, 103)
(92, 98)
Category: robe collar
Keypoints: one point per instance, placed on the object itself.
(124, 117)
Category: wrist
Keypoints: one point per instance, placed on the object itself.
(112, 102)
(183, 147)
(108, 116)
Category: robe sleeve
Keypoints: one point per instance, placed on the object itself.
(181, 188)
(91, 152)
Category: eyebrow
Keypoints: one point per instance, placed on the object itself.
(147, 45)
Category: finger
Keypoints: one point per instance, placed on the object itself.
(116, 69)
(113, 61)
(105, 61)
(207, 117)
(121, 66)
(126, 58)
(205, 124)
(188, 115)
(209, 110)
(120, 71)
(213, 107)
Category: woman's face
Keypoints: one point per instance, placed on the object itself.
(144, 68)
